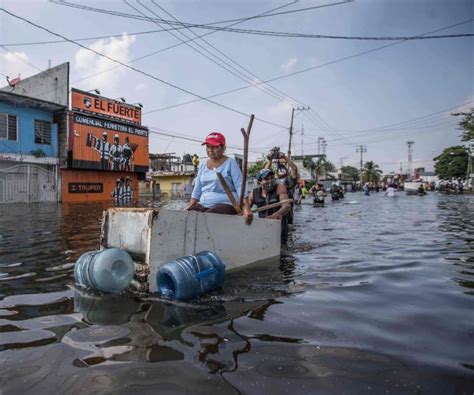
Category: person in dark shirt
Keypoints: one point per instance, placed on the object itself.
(268, 192)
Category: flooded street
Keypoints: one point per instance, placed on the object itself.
(374, 295)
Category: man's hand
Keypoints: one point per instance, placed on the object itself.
(276, 215)
(248, 216)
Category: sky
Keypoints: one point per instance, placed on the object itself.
(358, 92)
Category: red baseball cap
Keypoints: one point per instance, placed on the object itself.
(214, 139)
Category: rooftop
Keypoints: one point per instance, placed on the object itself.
(25, 101)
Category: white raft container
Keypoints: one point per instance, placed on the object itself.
(156, 236)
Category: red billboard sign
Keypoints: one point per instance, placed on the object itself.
(88, 103)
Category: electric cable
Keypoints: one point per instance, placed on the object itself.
(265, 32)
(358, 54)
(137, 70)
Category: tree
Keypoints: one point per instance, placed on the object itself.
(371, 172)
(256, 167)
(350, 173)
(452, 163)
(466, 124)
(318, 168)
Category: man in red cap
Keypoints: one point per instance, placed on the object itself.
(208, 194)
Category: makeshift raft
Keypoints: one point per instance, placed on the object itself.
(154, 237)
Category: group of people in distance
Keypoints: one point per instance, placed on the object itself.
(209, 195)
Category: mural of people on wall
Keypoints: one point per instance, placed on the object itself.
(116, 154)
(117, 192)
(127, 156)
(103, 147)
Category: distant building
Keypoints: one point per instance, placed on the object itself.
(170, 176)
(28, 149)
(425, 176)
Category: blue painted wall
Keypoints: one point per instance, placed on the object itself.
(26, 131)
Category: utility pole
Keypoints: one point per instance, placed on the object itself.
(362, 149)
(341, 159)
(302, 140)
(291, 124)
(320, 140)
(324, 144)
(410, 158)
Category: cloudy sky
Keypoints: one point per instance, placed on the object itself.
(377, 93)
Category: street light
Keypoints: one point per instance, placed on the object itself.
(137, 104)
(94, 90)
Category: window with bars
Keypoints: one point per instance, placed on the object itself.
(8, 127)
(42, 132)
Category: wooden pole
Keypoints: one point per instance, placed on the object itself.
(273, 205)
(229, 193)
(246, 134)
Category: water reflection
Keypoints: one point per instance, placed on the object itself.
(123, 329)
(365, 290)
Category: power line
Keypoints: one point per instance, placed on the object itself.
(305, 70)
(182, 136)
(214, 58)
(274, 91)
(413, 123)
(238, 20)
(182, 24)
(172, 46)
(137, 70)
(266, 32)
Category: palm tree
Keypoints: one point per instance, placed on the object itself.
(318, 168)
(371, 172)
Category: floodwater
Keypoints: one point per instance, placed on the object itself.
(375, 295)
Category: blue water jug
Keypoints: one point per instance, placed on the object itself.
(109, 270)
(191, 275)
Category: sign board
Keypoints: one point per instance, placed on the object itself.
(88, 103)
(103, 144)
(85, 187)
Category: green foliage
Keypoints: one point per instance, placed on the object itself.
(319, 167)
(371, 172)
(350, 173)
(452, 163)
(39, 153)
(466, 124)
(255, 168)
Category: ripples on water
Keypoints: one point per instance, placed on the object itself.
(374, 295)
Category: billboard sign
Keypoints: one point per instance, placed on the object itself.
(104, 144)
(91, 104)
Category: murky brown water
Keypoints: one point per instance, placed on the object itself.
(375, 295)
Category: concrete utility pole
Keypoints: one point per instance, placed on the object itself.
(302, 140)
(320, 140)
(291, 125)
(362, 149)
(410, 158)
(324, 144)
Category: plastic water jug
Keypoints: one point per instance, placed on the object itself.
(191, 275)
(109, 270)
